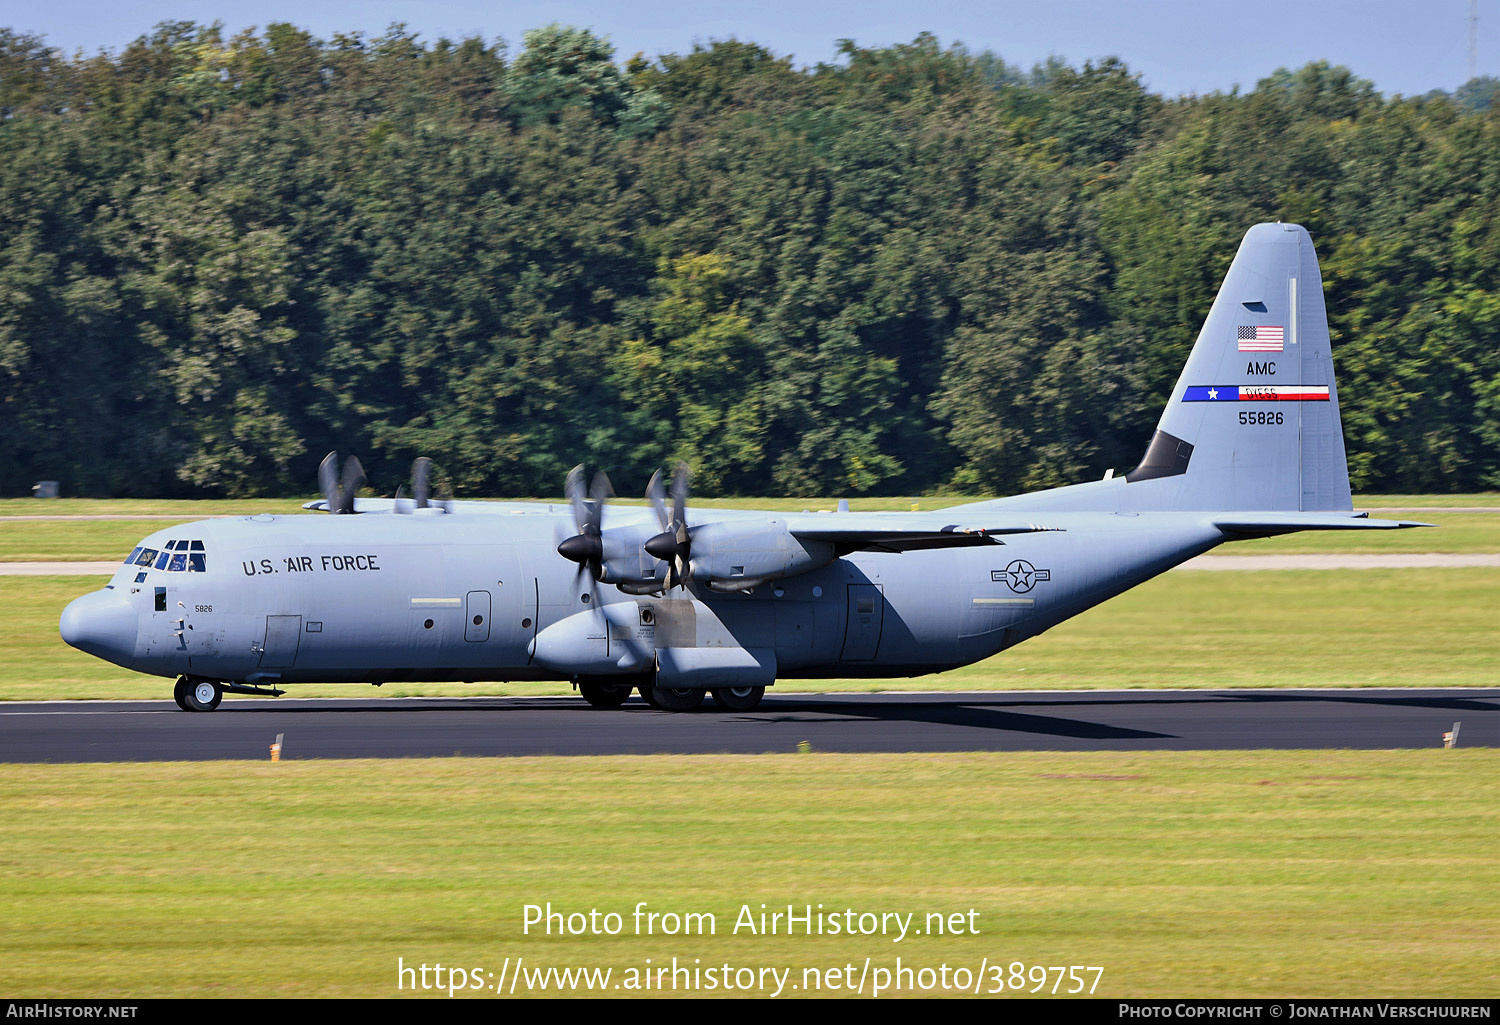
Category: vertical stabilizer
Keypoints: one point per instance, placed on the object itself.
(1253, 422)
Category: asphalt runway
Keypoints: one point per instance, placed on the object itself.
(131, 731)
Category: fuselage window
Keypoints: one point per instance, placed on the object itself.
(197, 562)
(178, 563)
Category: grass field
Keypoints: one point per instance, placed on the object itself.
(1283, 628)
(1303, 874)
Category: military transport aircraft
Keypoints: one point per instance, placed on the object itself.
(677, 602)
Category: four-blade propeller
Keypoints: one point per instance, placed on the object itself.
(587, 546)
(421, 500)
(339, 491)
(674, 544)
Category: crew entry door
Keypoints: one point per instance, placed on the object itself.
(283, 635)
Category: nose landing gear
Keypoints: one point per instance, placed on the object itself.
(195, 694)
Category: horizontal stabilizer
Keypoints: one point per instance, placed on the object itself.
(1262, 524)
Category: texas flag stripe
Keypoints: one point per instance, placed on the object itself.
(1255, 393)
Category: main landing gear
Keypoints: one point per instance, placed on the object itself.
(672, 699)
(686, 699)
(604, 695)
(678, 699)
(195, 694)
(738, 699)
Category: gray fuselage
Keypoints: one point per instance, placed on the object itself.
(314, 598)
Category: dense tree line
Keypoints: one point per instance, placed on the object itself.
(919, 268)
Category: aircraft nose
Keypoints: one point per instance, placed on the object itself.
(103, 624)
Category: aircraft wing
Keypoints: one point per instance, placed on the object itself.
(895, 532)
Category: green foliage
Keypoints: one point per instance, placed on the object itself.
(914, 268)
(1480, 93)
(566, 67)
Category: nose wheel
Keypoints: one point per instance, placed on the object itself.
(197, 695)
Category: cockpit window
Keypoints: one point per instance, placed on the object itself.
(176, 557)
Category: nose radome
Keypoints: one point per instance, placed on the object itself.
(103, 624)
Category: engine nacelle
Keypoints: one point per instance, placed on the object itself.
(736, 557)
(625, 562)
(598, 642)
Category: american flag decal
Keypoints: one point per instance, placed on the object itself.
(1260, 338)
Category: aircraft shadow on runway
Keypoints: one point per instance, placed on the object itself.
(978, 714)
(971, 715)
(997, 712)
(1483, 703)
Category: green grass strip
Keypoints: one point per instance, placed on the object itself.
(1201, 874)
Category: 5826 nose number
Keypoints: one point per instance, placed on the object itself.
(1260, 417)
